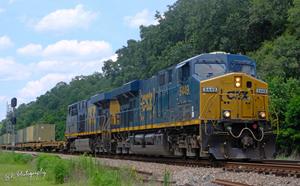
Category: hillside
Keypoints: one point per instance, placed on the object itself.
(266, 30)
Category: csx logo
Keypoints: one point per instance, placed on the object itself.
(184, 90)
(240, 95)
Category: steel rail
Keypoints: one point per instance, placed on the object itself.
(228, 183)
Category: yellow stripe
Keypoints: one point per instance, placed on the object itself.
(142, 127)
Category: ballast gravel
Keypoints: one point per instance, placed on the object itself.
(187, 176)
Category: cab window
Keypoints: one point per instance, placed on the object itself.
(184, 73)
(248, 69)
(208, 70)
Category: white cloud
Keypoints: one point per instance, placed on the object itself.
(141, 18)
(69, 50)
(11, 70)
(37, 87)
(74, 67)
(60, 61)
(5, 42)
(114, 57)
(66, 19)
(30, 49)
(73, 49)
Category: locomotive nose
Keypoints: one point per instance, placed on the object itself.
(236, 105)
(238, 98)
(247, 98)
(234, 97)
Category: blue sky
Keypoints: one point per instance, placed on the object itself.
(45, 42)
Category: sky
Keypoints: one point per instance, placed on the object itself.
(49, 41)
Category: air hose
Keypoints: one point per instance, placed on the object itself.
(246, 128)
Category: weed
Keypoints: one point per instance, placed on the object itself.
(167, 177)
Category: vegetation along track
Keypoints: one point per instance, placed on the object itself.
(276, 167)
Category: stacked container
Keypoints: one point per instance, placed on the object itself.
(1, 140)
(34, 133)
(20, 138)
(38, 133)
(6, 139)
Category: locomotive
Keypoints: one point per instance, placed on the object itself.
(211, 105)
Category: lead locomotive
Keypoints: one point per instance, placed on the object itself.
(211, 105)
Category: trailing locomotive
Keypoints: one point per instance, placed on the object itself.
(211, 105)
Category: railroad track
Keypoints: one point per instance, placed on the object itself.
(228, 183)
(276, 168)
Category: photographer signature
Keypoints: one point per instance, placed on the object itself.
(27, 173)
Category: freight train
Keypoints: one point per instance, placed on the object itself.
(211, 105)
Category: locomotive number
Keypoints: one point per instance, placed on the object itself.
(146, 102)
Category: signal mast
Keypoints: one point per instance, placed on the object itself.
(11, 120)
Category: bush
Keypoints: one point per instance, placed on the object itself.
(83, 169)
(60, 172)
(107, 177)
(56, 168)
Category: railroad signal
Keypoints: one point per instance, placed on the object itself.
(13, 102)
(13, 120)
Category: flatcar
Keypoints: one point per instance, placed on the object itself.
(211, 105)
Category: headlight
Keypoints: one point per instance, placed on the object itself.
(226, 113)
(237, 84)
(210, 89)
(238, 81)
(262, 114)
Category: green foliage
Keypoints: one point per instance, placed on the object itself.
(108, 177)
(167, 178)
(83, 168)
(60, 172)
(56, 168)
(294, 21)
(279, 58)
(14, 158)
(283, 108)
(292, 116)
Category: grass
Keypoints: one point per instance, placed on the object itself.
(13, 163)
(82, 171)
(167, 178)
(293, 156)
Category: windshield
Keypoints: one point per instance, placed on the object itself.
(248, 69)
(205, 71)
